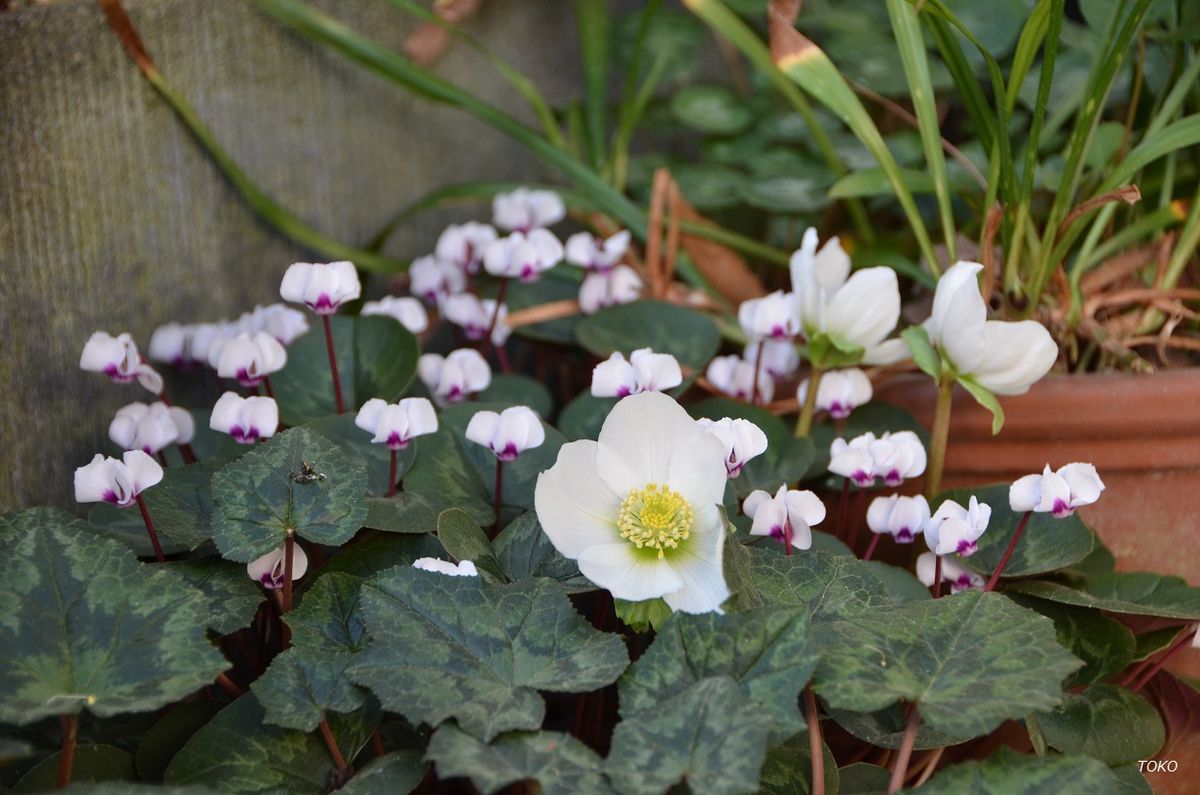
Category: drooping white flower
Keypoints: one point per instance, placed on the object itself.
(839, 392)
(960, 577)
(788, 516)
(281, 321)
(474, 315)
(507, 434)
(453, 378)
(245, 419)
(171, 344)
(464, 244)
(742, 439)
(397, 424)
(898, 457)
(116, 482)
(779, 357)
(118, 358)
(434, 279)
(269, 571)
(644, 371)
(593, 254)
(638, 507)
(322, 287)
(770, 317)
(859, 309)
(734, 375)
(524, 256)
(464, 568)
(900, 517)
(953, 528)
(1058, 493)
(150, 428)
(409, 312)
(600, 290)
(206, 336)
(853, 459)
(248, 358)
(1006, 358)
(524, 209)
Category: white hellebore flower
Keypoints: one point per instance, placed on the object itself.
(779, 357)
(319, 286)
(248, 358)
(507, 434)
(742, 439)
(434, 279)
(118, 358)
(116, 482)
(1005, 358)
(734, 375)
(645, 371)
(602, 289)
(452, 378)
(900, 517)
(853, 459)
(245, 419)
(953, 528)
(1058, 493)
(638, 508)
(408, 312)
(788, 516)
(593, 254)
(898, 457)
(770, 317)
(463, 568)
(839, 392)
(281, 321)
(397, 424)
(960, 577)
(269, 571)
(860, 309)
(523, 209)
(524, 256)
(474, 315)
(150, 428)
(464, 244)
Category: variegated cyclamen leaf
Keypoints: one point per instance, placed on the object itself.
(559, 763)
(1136, 593)
(788, 768)
(1007, 771)
(463, 539)
(524, 551)
(263, 495)
(86, 625)
(232, 597)
(396, 773)
(1106, 646)
(1106, 722)
(457, 647)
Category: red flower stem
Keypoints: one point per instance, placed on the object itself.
(757, 368)
(267, 387)
(335, 753)
(501, 353)
(333, 368)
(816, 746)
(497, 497)
(937, 576)
(391, 484)
(228, 685)
(1179, 643)
(906, 749)
(377, 743)
(158, 553)
(787, 536)
(871, 547)
(1008, 552)
(188, 454)
(66, 757)
(843, 507)
(162, 459)
(289, 553)
(860, 508)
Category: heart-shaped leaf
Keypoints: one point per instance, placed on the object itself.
(1106, 722)
(231, 596)
(788, 769)
(403, 513)
(518, 390)
(525, 551)
(583, 417)
(92, 764)
(832, 586)
(1007, 771)
(396, 773)
(560, 764)
(1105, 646)
(446, 477)
(713, 110)
(1134, 593)
(686, 334)
(465, 540)
(180, 506)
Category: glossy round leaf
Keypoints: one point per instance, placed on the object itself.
(686, 334)
(713, 110)
(1106, 722)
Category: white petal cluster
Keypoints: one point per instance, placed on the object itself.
(955, 529)
(1058, 493)
(770, 317)
(960, 577)
(246, 419)
(247, 357)
(119, 359)
(117, 482)
(733, 375)
(454, 377)
(903, 518)
(407, 311)
(475, 316)
(644, 371)
(434, 280)
(788, 516)
(397, 424)
(593, 254)
(463, 245)
(523, 255)
(507, 433)
(151, 428)
(895, 457)
(322, 287)
(742, 439)
(281, 321)
(464, 568)
(524, 209)
(602, 289)
(839, 392)
(269, 571)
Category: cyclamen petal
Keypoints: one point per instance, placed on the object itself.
(248, 358)
(117, 357)
(463, 568)
(150, 429)
(116, 482)
(600, 290)
(507, 434)
(464, 244)
(455, 377)
(280, 321)
(434, 279)
(524, 209)
(524, 256)
(770, 317)
(591, 253)
(247, 420)
(322, 287)
(408, 312)
(1059, 493)
(735, 376)
(475, 316)
(839, 392)
(742, 439)
(955, 529)
(270, 570)
(901, 517)
(779, 356)
(960, 577)
(397, 424)
(645, 371)
(788, 513)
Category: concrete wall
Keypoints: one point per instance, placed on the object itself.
(112, 218)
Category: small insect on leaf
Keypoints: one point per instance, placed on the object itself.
(307, 474)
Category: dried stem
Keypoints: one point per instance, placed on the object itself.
(158, 553)
(906, 749)
(816, 746)
(1008, 552)
(333, 368)
(66, 757)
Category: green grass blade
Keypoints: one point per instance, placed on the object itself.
(1033, 34)
(594, 36)
(963, 74)
(635, 98)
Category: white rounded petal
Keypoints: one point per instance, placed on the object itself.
(626, 574)
(614, 377)
(879, 513)
(581, 249)
(295, 282)
(422, 419)
(926, 568)
(92, 480)
(804, 507)
(368, 416)
(1025, 493)
(146, 471)
(261, 414)
(1084, 481)
(185, 426)
(698, 566)
(482, 428)
(638, 438)
(576, 508)
(755, 501)
(227, 412)
(697, 468)
(149, 379)
(655, 372)
(866, 308)
(268, 568)
(1015, 356)
(959, 315)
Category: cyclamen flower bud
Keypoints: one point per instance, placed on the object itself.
(1058, 493)
(621, 285)
(171, 344)
(735, 376)
(320, 287)
(408, 312)
(507, 434)
(789, 514)
(900, 517)
(397, 424)
(839, 392)
(898, 457)
(593, 254)
(247, 358)
(743, 441)
(269, 570)
(524, 256)
(464, 244)
(953, 528)
(523, 209)
(463, 568)
(645, 371)
(434, 280)
(453, 378)
(245, 419)
(116, 482)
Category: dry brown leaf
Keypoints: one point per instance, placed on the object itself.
(721, 266)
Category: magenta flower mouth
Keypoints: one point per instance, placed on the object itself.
(244, 435)
(509, 453)
(1062, 509)
(324, 305)
(118, 377)
(967, 548)
(396, 442)
(904, 536)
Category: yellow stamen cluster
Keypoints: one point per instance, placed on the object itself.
(655, 517)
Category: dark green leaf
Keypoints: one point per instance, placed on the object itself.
(713, 110)
(739, 574)
(357, 446)
(885, 728)
(260, 498)
(557, 285)
(583, 417)
(642, 616)
(403, 513)
(1007, 771)
(1135, 593)
(446, 478)
(446, 647)
(524, 552)
(92, 763)
(710, 186)
(168, 734)
(863, 779)
(465, 540)
(686, 334)
(923, 354)
(372, 554)
(560, 764)
(1130, 781)
(1106, 722)
(1150, 643)
(788, 195)
(901, 585)
(231, 596)
(1105, 646)
(788, 769)
(518, 390)
(180, 507)
(396, 773)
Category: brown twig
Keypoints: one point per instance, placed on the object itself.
(1126, 193)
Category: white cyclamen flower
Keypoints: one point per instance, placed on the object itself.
(464, 244)
(645, 371)
(638, 508)
(245, 419)
(734, 375)
(463, 568)
(397, 424)
(953, 528)
(118, 358)
(770, 317)
(282, 322)
(474, 315)
(861, 309)
(1058, 493)
(839, 392)
(900, 517)
(248, 358)
(116, 482)
(319, 286)
(434, 280)
(523, 209)
(171, 343)
(524, 256)
(779, 357)
(788, 516)
(409, 312)
(1005, 358)
(742, 440)
(150, 428)
(898, 457)
(600, 290)
(960, 577)
(269, 571)
(207, 336)
(507, 434)
(853, 459)
(593, 254)
(453, 378)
